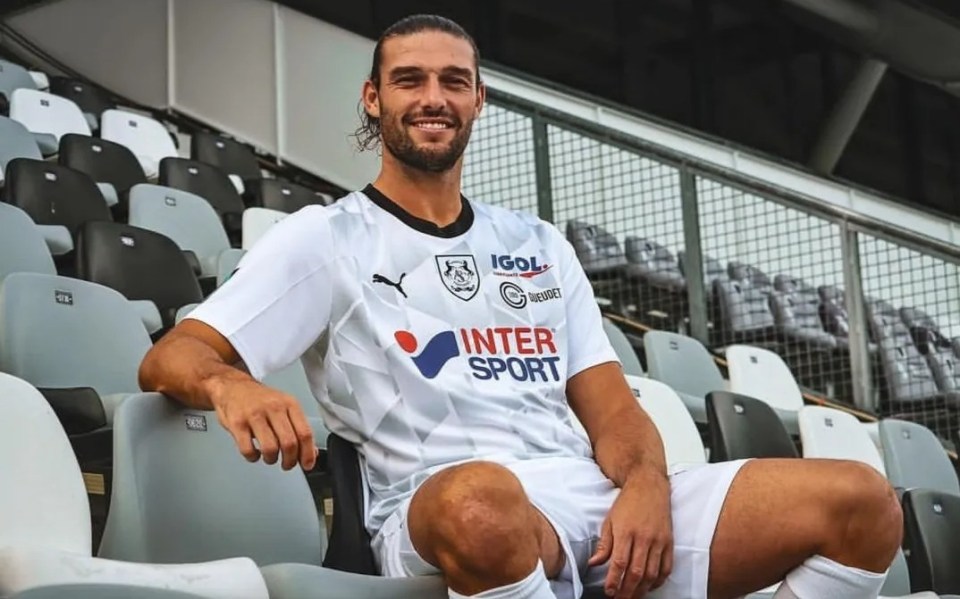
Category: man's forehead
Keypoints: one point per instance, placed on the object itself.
(427, 49)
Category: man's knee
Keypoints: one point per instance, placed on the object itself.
(865, 517)
(474, 516)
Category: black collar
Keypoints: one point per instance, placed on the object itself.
(457, 227)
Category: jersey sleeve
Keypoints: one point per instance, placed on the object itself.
(277, 303)
(587, 343)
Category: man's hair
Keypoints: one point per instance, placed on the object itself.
(368, 134)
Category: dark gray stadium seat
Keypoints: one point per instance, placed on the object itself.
(53, 194)
(140, 264)
(211, 184)
(597, 249)
(836, 321)
(90, 98)
(932, 531)
(744, 427)
(924, 329)
(906, 375)
(288, 197)
(230, 156)
(349, 548)
(105, 162)
(796, 313)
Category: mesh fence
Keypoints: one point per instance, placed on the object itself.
(912, 309)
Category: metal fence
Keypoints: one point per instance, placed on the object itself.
(862, 312)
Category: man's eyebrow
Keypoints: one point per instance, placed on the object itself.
(397, 72)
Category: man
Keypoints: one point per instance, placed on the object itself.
(446, 338)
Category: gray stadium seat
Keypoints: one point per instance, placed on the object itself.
(228, 155)
(796, 314)
(830, 433)
(686, 365)
(13, 77)
(747, 273)
(906, 375)
(289, 197)
(101, 591)
(836, 321)
(682, 445)
(598, 250)
(149, 141)
(744, 311)
(763, 375)
(48, 117)
(91, 99)
(743, 427)
(173, 469)
(915, 458)
(105, 162)
(653, 269)
(140, 264)
(932, 533)
(713, 270)
(61, 334)
(924, 329)
(209, 183)
(256, 223)
(22, 248)
(227, 264)
(623, 348)
(45, 534)
(15, 142)
(186, 218)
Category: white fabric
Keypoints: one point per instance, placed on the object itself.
(575, 497)
(763, 375)
(149, 140)
(256, 222)
(829, 433)
(534, 586)
(819, 577)
(43, 112)
(439, 370)
(24, 568)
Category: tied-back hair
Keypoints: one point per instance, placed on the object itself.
(367, 134)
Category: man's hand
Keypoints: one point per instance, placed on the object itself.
(637, 537)
(249, 410)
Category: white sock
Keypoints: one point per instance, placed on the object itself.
(534, 586)
(819, 577)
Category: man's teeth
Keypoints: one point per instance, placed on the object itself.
(433, 125)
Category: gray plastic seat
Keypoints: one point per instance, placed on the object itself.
(597, 249)
(743, 427)
(796, 313)
(186, 218)
(209, 183)
(906, 375)
(744, 311)
(174, 467)
(12, 78)
(621, 345)
(684, 364)
(92, 100)
(915, 458)
(653, 269)
(15, 142)
(228, 155)
(22, 248)
(747, 273)
(101, 591)
(932, 539)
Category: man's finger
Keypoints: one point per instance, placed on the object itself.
(604, 545)
(635, 569)
(244, 441)
(286, 439)
(619, 562)
(651, 570)
(269, 448)
(666, 566)
(301, 428)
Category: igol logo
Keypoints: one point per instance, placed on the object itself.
(519, 353)
(513, 266)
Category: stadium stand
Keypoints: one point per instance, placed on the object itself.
(92, 100)
(685, 365)
(231, 157)
(113, 166)
(48, 116)
(933, 528)
(209, 183)
(830, 433)
(289, 197)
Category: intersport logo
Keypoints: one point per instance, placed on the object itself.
(505, 265)
(519, 353)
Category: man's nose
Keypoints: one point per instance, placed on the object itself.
(433, 94)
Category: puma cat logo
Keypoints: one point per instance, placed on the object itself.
(384, 280)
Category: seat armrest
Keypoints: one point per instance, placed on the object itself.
(109, 193)
(58, 239)
(48, 144)
(149, 315)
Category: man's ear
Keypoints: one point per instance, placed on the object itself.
(481, 98)
(371, 99)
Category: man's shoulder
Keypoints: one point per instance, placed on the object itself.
(501, 216)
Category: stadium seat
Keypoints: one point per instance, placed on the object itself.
(45, 536)
(256, 223)
(48, 117)
(713, 270)
(101, 591)
(907, 377)
(915, 458)
(621, 345)
(107, 163)
(13, 77)
(681, 440)
(686, 365)
(187, 219)
(796, 314)
(91, 99)
(932, 534)
(599, 251)
(70, 336)
(230, 156)
(211, 184)
(149, 141)
(288, 197)
(141, 264)
(22, 247)
(744, 311)
(747, 273)
(763, 375)
(228, 263)
(349, 549)
(654, 271)
(836, 321)
(54, 195)
(15, 142)
(924, 330)
(162, 446)
(744, 427)
(830, 433)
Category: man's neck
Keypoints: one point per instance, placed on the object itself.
(434, 197)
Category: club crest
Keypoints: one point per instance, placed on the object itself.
(459, 275)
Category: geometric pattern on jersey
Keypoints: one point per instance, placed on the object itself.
(423, 350)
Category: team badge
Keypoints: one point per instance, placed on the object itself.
(459, 275)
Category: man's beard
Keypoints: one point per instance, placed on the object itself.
(434, 160)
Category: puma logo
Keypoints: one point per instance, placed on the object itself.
(382, 279)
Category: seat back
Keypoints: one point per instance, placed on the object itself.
(906, 373)
(652, 258)
(22, 248)
(946, 370)
(53, 194)
(743, 307)
(228, 155)
(349, 548)
(288, 197)
(44, 502)
(681, 440)
(140, 264)
(15, 142)
(915, 458)
(91, 99)
(833, 311)
(187, 219)
(621, 345)
(796, 312)
(256, 223)
(101, 591)
(61, 333)
(183, 493)
(744, 427)
(104, 161)
(597, 249)
(932, 523)
(43, 112)
(208, 182)
(681, 362)
(762, 374)
(14, 77)
(149, 140)
(829, 433)
(713, 269)
(749, 274)
(925, 331)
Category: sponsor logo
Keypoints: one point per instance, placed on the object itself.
(515, 266)
(513, 295)
(492, 353)
(544, 296)
(459, 275)
(63, 297)
(385, 281)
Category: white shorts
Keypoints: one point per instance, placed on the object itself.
(575, 496)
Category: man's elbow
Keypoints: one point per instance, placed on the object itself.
(146, 374)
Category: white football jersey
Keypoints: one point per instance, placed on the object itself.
(425, 346)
